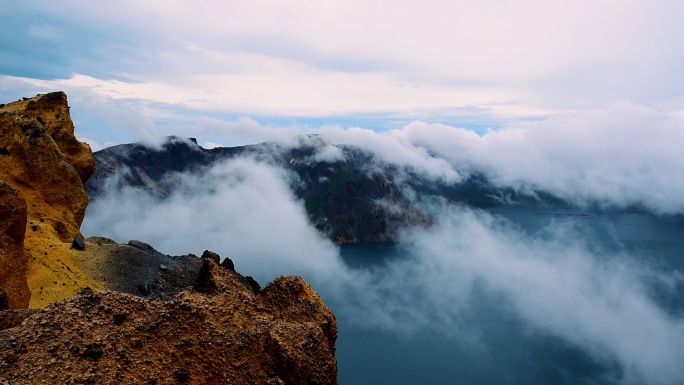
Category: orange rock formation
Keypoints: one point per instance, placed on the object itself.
(41, 158)
(14, 290)
(219, 333)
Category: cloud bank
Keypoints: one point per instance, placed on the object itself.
(242, 209)
(561, 281)
(624, 156)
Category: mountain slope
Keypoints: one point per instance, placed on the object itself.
(350, 194)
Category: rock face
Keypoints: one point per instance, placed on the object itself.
(14, 290)
(41, 158)
(219, 333)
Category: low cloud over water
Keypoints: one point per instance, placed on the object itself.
(562, 280)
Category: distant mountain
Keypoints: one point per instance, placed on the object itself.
(350, 194)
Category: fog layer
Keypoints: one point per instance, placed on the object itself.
(561, 280)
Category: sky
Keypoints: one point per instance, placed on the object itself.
(135, 70)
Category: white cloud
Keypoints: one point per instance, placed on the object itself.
(241, 209)
(595, 300)
(243, 130)
(330, 154)
(95, 146)
(624, 155)
(210, 145)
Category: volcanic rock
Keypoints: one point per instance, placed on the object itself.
(78, 243)
(136, 268)
(226, 335)
(47, 165)
(211, 255)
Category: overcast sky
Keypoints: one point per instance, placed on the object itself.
(138, 68)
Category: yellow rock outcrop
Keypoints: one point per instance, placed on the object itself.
(41, 158)
(14, 291)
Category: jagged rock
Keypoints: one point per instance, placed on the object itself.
(45, 162)
(211, 278)
(228, 264)
(137, 268)
(223, 331)
(285, 334)
(253, 283)
(14, 317)
(206, 281)
(13, 263)
(211, 255)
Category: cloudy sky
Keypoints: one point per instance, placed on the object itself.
(137, 69)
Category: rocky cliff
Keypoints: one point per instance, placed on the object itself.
(43, 161)
(14, 290)
(164, 319)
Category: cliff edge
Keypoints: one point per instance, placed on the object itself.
(219, 333)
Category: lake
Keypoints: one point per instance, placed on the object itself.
(506, 348)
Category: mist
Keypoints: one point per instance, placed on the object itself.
(560, 281)
(242, 209)
(624, 156)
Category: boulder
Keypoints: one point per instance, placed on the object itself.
(78, 243)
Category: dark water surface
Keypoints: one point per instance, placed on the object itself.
(506, 351)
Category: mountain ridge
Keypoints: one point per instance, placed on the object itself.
(349, 194)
